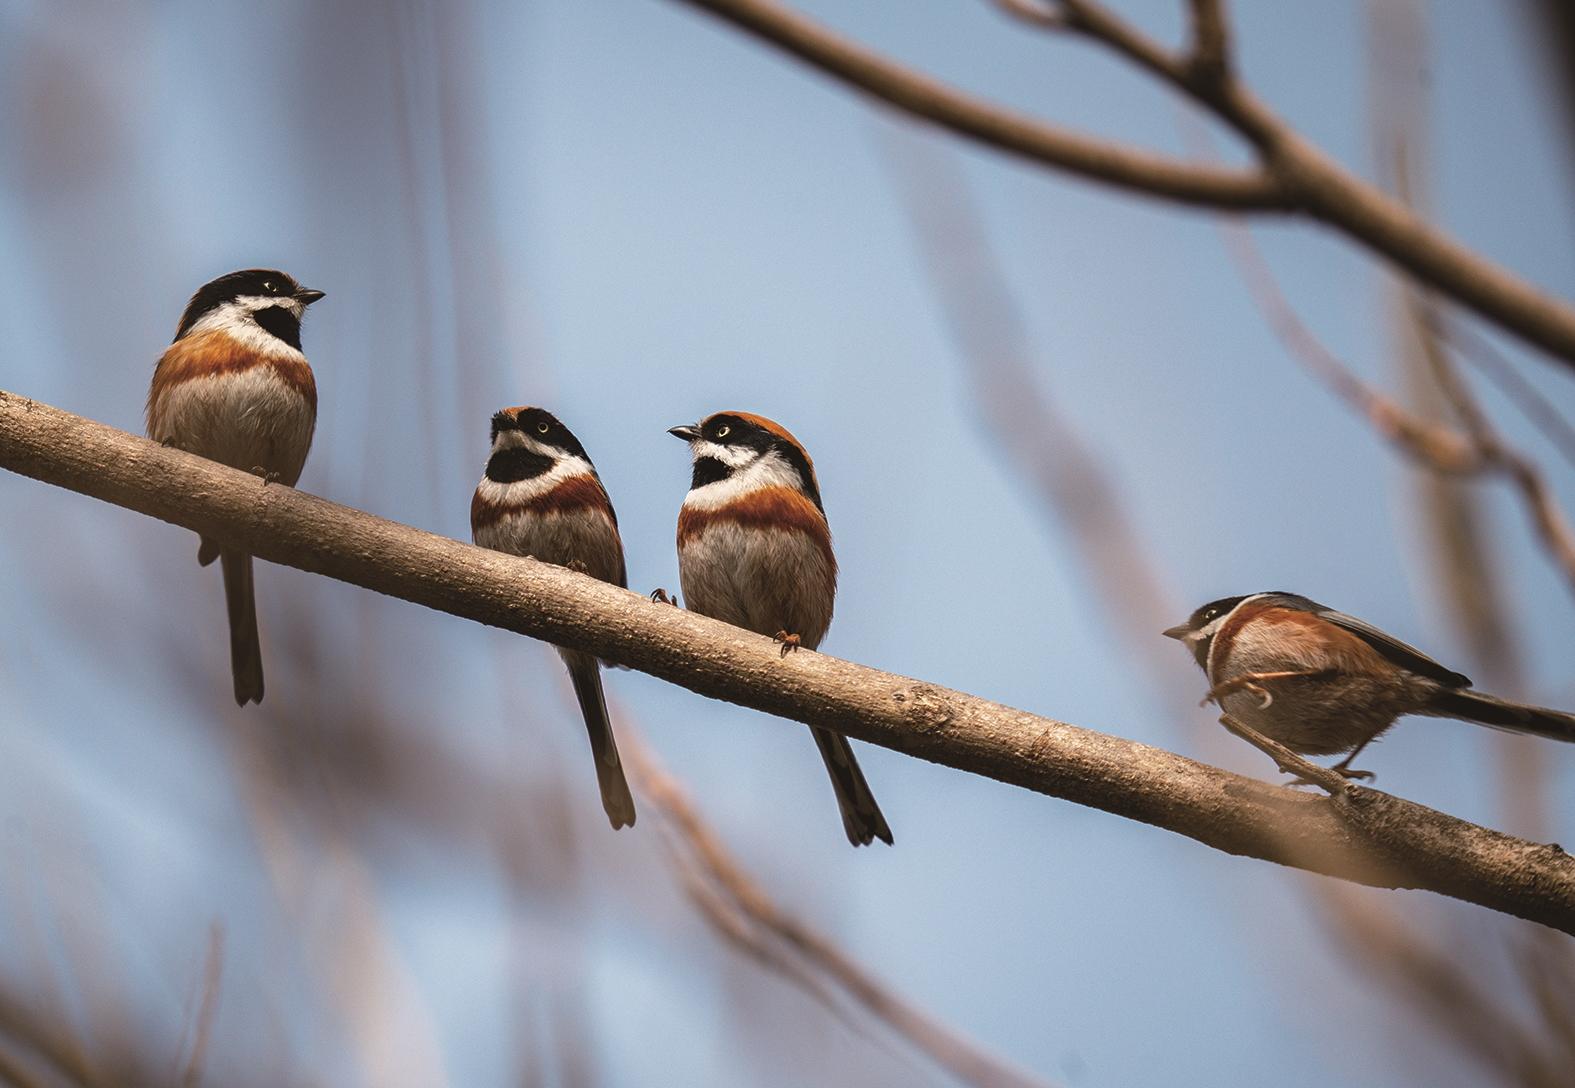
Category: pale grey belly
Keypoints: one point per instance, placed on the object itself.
(762, 580)
(562, 539)
(248, 420)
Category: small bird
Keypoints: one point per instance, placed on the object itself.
(235, 387)
(1321, 682)
(540, 497)
(754, 550)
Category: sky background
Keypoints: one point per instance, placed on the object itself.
(633, 215)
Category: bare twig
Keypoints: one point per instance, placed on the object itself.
(1293, 176)
(749, 918)
(1436, 447)
(1372, 838)
(1474, 347)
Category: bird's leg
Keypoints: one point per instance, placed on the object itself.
(578, 566)
(1344, 766)
(789, 641)
(1306, 772)
(1253, 682)
(659, 595)
(267, 476)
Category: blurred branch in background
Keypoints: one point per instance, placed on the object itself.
(1458, 994)
(1292, 175)
(1443, 449)
(739, 907)
(1364, 835)
(1466, 578)
(1060, 468)
(1475, 349)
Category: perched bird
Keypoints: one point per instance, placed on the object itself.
(754, 550)
(540, 496)
(1321, 682)
(235, 387)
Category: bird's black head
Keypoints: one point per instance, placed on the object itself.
(1207, 614)
(273, 299)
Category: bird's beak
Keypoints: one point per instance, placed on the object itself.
(1178, 632)
(306, 296)
(688, 432)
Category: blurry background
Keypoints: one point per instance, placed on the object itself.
(395, 871)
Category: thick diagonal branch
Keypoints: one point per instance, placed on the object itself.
(1368, 837)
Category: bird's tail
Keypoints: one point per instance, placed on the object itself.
(1473, 706)
(861, 816)
(245, 647)
(616, 799)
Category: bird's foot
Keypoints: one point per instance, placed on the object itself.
(578, 566)
(660, 596)
(1345, 770)
(267, 476)
(789, 641)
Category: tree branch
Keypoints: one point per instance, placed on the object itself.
(992, 125)
(1478, 452)
(1294, 175)
(1366, 836)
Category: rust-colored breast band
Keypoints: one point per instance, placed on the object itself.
(779, 508)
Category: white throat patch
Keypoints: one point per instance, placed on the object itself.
(751, 472)
(234, 319)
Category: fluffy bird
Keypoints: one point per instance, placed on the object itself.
(754, 550)
(1321, 682)
(540, 497)
(235, 387)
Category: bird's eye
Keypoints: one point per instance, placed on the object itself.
(543, 427)
(723, 431)
(270, 287)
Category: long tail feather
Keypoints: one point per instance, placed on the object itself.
(616, 799)
(861, 816)
(1473, 706)
(245, 647)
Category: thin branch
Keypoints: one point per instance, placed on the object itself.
(743, 912)
(1478, 453)
(1368, 836)
(1540, 411)
(1294, 176)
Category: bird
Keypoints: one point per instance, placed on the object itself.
(235, 387)
(540, 496)
(754, 550)
(1322, 682)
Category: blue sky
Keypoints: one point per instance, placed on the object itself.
(634, 215)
